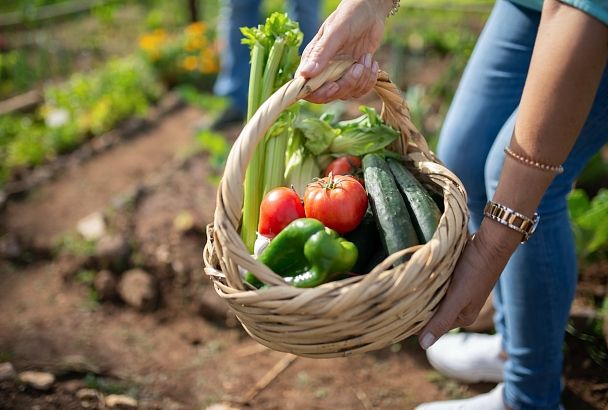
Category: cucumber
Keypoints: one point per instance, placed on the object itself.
(367, 240)
(376, 258)
(421, 206)
(392, 218)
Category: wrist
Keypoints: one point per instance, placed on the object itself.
(383, 7)
(498, 241)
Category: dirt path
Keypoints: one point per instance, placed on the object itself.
(183, 359)
(91, 186)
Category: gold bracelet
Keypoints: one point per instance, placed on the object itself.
(558, 169)
(395, 9)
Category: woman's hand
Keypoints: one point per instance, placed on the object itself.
(477, 270)
(354, 30)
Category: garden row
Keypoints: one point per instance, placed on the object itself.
(92, 103)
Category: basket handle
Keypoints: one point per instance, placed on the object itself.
(230, 193)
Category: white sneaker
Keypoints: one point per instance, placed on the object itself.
(492, 400)
(468, 357)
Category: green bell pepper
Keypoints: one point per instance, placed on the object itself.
(307, 254)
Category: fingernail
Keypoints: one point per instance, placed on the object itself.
(309, 67)
(368, 60)
(332, 89)
(427, 340)
(375, 67)
(358, 70)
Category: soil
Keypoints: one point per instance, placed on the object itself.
(181, 356)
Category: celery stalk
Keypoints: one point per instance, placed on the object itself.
(253, 193)
(274, 169)
(272, 68)
(276, 42)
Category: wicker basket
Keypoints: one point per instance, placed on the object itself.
(353, 315)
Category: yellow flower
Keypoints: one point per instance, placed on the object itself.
(197, 28)
(195, 43)
(161, 34)
(209, 61)
(189, 63)
(210, 67)
(152, 41)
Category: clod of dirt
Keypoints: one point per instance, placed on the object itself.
(139, 289)
(68, 265)
(117, 401)
(89, 398)
(37, 380)
(184, 222)
(10, 248)
(92, 226)
(77, 364)
(112, 252)
(105, 285)
(72, 386)
(7, 371)
(220, 406)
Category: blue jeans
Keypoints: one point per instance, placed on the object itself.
(533, 295)
(233, 80)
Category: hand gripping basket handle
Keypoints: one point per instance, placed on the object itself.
(230, 193)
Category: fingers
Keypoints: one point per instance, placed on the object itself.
(324, 94)
(317, 54)
(442, 321)
(357, 81)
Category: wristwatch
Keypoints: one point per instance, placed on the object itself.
(512, 219)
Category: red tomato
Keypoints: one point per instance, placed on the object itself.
(279, 207)
(338, 201)
(345, 165)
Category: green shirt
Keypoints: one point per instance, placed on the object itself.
(595, 8)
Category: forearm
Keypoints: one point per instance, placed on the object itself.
(567, 64)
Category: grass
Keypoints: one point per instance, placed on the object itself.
(73, 244)
(451, 388)
(109, 386)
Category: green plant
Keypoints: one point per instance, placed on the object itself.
(216, 146)
(73, 244)
(589, 222)
(108, 386)
(96, 101)
(205, 101)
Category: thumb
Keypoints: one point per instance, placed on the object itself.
(442, 321)
(319, 52)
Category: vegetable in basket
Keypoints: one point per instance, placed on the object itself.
(338, 201)
(274, 57)
(318, 140)
(307, 253)
(345, 165)
(392, 217)
(363, 135)
(279, 208)
(425, 214)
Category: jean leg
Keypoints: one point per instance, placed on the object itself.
(489, 91)
(306, 13)
(233, 80)
(538, 283)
